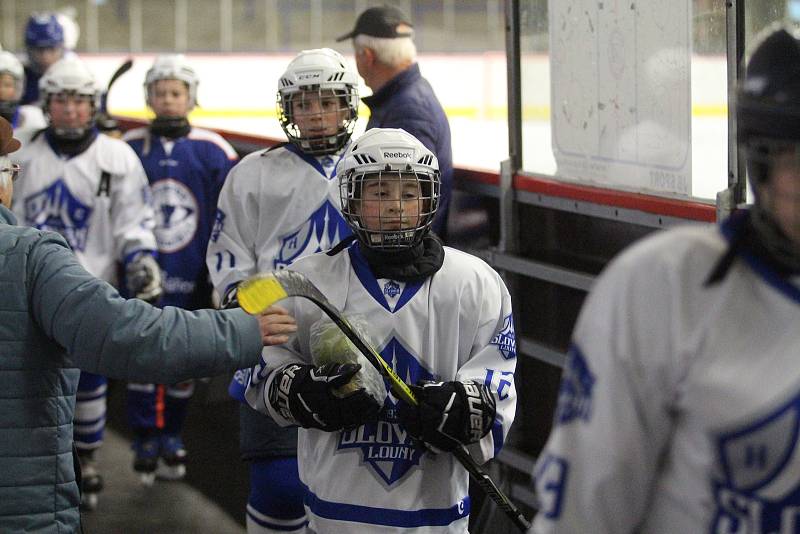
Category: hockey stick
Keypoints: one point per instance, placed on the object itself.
(107, 123)
(122, 69)
(261, 291)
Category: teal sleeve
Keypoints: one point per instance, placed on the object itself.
(129, 339)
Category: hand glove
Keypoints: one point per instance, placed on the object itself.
(143, 277)
(231, 298)
(449, 414)
(318, 397)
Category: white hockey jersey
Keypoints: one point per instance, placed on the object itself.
(276, 206)
(679, 410)
(456, 325)
(27, 120)
(98, 200)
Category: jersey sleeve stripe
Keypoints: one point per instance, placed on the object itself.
(200, 134)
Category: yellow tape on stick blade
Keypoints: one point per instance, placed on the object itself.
(258, 293)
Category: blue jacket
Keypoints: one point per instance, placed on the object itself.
(407, 101)
(57, 319)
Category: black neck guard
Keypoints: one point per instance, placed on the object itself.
(170, 127)
(755, 233)
(71, 147)
(407, 265)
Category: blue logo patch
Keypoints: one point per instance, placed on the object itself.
(323, 229)
(505, 340)
(391, 289)
(176, 215)
(755, 483)
(219, 224)
(385, 446)
(575, 393)
(55, 208)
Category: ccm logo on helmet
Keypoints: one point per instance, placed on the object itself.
(311, 76)
(397, 155)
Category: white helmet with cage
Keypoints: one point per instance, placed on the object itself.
(389, 174)
(171, 67)
(69, 75)
(324, 74)
(11, 65)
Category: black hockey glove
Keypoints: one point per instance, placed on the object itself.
(231, 298)
(312, 397)
(449, 414)
(143, 277)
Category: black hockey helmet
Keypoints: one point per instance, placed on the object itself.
(768, 100)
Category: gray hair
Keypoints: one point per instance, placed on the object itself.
(392, 51)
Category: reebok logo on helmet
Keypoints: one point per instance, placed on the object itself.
(397, 155)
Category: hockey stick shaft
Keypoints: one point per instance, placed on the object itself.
(261, 291)
(122, 69)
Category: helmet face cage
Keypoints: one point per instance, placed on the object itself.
(773, 166)
(69, 77)
(390, 209)
(329, 105)
(171, 67)
(317, 101)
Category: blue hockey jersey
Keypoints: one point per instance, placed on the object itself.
(186, 176)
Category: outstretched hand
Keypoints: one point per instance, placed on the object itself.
(276, 325)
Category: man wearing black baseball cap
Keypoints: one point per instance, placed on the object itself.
(386, 58)
(387, 22)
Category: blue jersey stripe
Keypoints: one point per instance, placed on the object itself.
(497, 436)
(364, 274)
(729, 229)
(388, 517)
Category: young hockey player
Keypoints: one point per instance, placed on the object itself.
(678, 408)
(91, 189)
(186, 167)
(26, 120)
(44, 42)
(440, 317)
(276, 206)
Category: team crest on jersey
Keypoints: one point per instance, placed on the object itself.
(55, 208)
(176, 214)
(391, 289)
(505, 340)
(323, 229)
(575, 393)
(219, 225)
(755, 483)
(385, 446)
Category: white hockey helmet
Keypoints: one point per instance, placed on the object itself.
(389, 154)
(325, 72)
(172, 67)
(69, 75)
(11, 65)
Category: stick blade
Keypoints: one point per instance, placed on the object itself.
(259, 292)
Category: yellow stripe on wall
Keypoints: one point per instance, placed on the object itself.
(536, 113)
